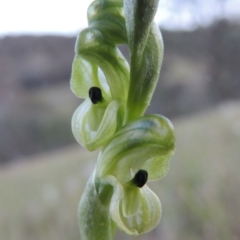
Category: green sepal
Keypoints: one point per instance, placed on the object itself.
(95, 47)
(134, 210)
(94, 218)
(108, 17)
(146, 143)
(131, 200)
(94, 124)
(145, 218)
(86, 75)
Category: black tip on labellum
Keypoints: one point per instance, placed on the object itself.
(140, 178)
(95, 94)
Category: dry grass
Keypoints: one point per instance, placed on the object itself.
(200, 194)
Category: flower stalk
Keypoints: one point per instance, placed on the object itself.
(134, 148)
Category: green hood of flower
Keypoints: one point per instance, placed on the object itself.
(146, 143)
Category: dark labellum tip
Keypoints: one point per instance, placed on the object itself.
(95, 94)
(140, 178)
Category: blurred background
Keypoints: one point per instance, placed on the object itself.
(43, 171)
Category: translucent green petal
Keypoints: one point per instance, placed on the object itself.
(97, 48)
(144, 143)
(93, 125)
(157, 166)
(108, 17)
(131, 200)
(86, 75)
(145, 218)
(110, 180)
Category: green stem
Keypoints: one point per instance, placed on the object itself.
(94, 220)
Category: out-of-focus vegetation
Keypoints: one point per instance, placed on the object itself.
(37, 121)
(200, 69)
(200, 194)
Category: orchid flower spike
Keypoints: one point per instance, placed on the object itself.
(134, 148)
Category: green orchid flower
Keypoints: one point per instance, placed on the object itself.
(101, 75)
(139, 152)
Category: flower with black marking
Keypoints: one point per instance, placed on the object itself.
(100, 74)
(137, 153)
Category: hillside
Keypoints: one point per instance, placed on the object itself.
(200, 194)
(200, 69)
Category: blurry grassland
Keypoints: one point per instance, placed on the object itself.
(200, 194)
(36, 121)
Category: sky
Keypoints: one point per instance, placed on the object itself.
(68, 17)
